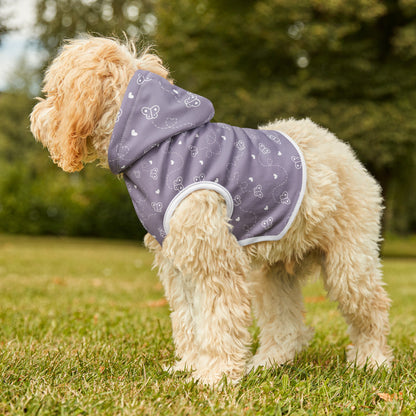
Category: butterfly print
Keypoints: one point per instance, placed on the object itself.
(151, 112)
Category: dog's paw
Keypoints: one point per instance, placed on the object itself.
(282, 351)
(369, 356)
(271, 359)
(214, 379)
(206, 378)
(181, 365)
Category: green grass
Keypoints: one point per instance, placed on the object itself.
(402, 247)
(84, 331)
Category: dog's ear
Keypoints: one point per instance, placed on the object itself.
(83, 88)
(80, 109)
(67, 117)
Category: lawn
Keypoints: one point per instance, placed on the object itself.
(84, 330)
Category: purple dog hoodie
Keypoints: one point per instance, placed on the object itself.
(166, 147)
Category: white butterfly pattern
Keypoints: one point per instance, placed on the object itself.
(284, 198)
(240, 145)
(193, 150)
(258, 191)
(264, 149)
(192, 101)
(267, 223)
(178, 184)
(122, 151)
(274, 138)
(154, 173)
(296, 160)
(141, 79)
(157, 206)
(199, 178)
(162, 232)
(151, 113)
(237, 200)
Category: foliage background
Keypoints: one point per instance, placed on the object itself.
(350, 66)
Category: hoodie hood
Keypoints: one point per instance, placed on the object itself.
(166, 148)
(152, 111)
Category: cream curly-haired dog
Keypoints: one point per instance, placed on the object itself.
(321, 209)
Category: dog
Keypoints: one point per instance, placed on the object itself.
(213, 276)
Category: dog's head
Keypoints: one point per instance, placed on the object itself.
(83, 88)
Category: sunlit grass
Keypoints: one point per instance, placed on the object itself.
(84, 330)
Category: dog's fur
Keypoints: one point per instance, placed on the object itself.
(209, 279)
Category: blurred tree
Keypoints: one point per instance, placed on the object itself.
(4, 27)
(36, 197)
(61, 19)
(350, 66)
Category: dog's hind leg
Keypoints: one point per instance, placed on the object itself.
(352, 277)
(278, 306)
(201, 247)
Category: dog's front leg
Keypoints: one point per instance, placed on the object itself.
(212, 266)
(179, 292)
